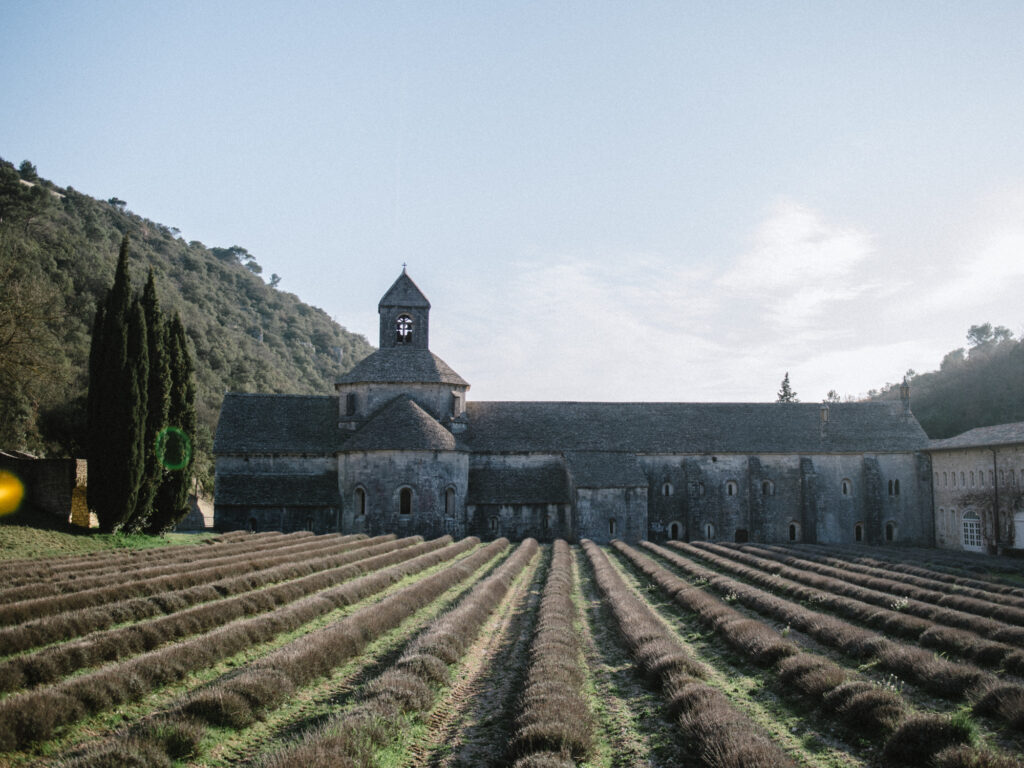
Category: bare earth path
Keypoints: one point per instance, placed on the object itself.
(472, 726)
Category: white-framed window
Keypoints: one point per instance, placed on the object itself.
(972, 530)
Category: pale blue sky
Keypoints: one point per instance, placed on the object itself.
(603, 201)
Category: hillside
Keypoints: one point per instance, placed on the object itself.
(58, 249)
(976, 386)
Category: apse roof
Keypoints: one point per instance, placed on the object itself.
(400, 365)
(401, 425)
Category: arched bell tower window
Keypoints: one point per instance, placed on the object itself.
(403, 330)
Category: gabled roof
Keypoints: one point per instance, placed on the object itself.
(1000, 434)
(401, 425)
(404, 293)
(261, 490)
(602, 469)
(873, 427)
(399, 365)
(277, 424)
(545, 484)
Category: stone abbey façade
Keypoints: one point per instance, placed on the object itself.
(399, 448)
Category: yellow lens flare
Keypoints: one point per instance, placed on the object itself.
(12, 491)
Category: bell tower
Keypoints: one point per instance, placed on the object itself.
(404, 316)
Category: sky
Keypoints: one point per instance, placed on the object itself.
(642, 201)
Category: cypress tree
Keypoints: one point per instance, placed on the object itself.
(108, 403)
(175, 449)
(137, 372)
(158, 386)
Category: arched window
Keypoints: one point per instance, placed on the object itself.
(972, 530)
(767, 488)
(403, 329)
(945, 479)
(666, 489)
(709, 531)
(962, 483)
(972, 478)
(794, 531)
(405, 501)
(360, 502)
(449, 502)
(942, 522)
(673, 531)
(731, 488)
(612, 526)
(952, 479)
(890, 531)
(253, 526)
(492, 524)
(847, 487)
(981, 477)
(858, 532)
(991, 477)
(350, 404)
(896, 484)
(890, 487)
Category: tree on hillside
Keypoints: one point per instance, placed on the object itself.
(158, 387)
(176, 446)
(832, 397)
(30, 311)
(786, 394)
(118, 368)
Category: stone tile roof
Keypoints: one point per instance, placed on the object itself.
(398, 365)
(602, 469)
(262, 490)
(401, 425)
(874, 427)
(277, 424)
(404, 293)
(546, 484)
(1000, 434)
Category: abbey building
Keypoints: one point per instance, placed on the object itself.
(401, 448)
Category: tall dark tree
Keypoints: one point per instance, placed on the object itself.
(158, 387)
(177, 443)
(116, 402)
(786, 393)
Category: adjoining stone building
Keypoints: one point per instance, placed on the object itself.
(979, 489)
(399, 448)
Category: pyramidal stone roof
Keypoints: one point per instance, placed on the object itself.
(404, 293)
(398, 365)
(401, 425)
(1000, 434)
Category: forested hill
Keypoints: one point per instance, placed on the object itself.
(58, 250)
(976, 386)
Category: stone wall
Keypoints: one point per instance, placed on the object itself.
(382, 475)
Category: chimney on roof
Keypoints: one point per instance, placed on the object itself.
(905, 396)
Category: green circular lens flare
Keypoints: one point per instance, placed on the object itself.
(173, 448)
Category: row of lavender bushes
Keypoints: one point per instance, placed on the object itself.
(291, 582)
(719, 736)
(857, 705)
(238, 700)
(997, 649)
(189, 558)
(555, 725)
(32, 716)
(408, 687)
(29, 570)
(232, 565)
